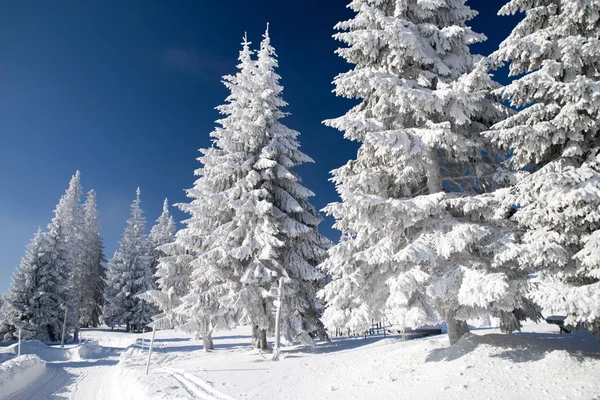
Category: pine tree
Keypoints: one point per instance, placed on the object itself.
(554, 136)
(130, 275)
(411, 247)
(25, 285)
(302, 248)
(251, 222)
(171, 270)
(162, 232)
(38, 289)
(211, 274)
(91, 292)
(68, 220)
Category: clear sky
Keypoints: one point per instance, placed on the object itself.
(125, 92)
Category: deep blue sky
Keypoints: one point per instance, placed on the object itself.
(125, 92)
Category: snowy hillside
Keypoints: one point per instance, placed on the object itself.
(539, 362)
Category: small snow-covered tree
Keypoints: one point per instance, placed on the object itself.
(25, 285)
(171, 270)
(129, 275)
(250, 219)
(38, 288)
(412, 247)
(91, 292)
(555, 137)
(162, 232)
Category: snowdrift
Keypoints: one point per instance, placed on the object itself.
(43, 351)
(18, 373)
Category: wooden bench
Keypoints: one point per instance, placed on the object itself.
(560, 321)
(415, 333)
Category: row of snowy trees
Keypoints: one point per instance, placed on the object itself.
(61, 271)
(439, 220)
(457, 206)
(466, 199)
(132, 268)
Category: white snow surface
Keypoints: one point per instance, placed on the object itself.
(18, 373)
(536, 363)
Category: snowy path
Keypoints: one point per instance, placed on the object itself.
(74, 380)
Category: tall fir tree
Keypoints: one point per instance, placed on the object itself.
(302, 248)
(91, 292)
(411, 247)
(250, 220)
(68, 220)
(555, 137)
(130, 275)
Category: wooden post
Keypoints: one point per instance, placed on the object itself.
(150, 349)
(62, 340)
(278, 321)
(19, 346)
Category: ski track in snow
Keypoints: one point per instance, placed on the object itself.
(85, 380)
(196, 386)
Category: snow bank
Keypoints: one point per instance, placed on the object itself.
(93, 351)
(18, 373)
(45, 352)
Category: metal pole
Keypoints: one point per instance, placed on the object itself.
(150, 350)
(62, 340)
(278, 321)
(19, 351)
(143, 333)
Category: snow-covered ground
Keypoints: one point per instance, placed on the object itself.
(537, 363)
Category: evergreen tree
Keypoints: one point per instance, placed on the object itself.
(172, 279)
(411, 246)
(171, 266)
(38, 289)
(302, 247)
(25, 285)
(160, 234)
(130, 275)
(91, 292)
(555, 137)
(251, 222)
(68, 220)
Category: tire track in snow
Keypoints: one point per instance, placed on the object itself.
(197, 386)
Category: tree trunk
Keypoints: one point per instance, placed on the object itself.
(259, 338)
(207, 341)
(432, 170)
(76, 334)
(456, 328)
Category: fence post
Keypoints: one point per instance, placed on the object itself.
(150, 349)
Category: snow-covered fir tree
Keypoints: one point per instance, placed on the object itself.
(38, 289)
(411, 249)
(171, 270)
(91, 292)
(68, 219)
(250, 219)
(24, 287)
(129, 275)
(162, 232)
(555, 137)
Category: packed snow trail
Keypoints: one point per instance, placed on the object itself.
(83, 380)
